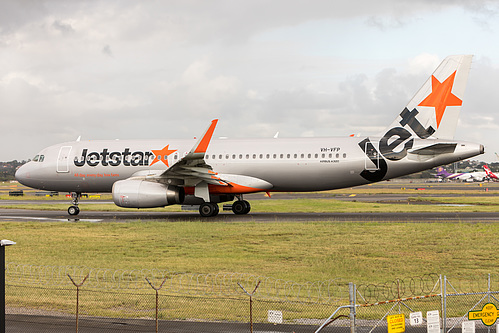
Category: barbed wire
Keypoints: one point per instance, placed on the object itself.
(226, 284)
(216, 284)
(477, 283)
(399, 288)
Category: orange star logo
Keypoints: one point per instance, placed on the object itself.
(162, 155)
(441, 96)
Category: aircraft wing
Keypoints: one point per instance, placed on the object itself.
(192, 168)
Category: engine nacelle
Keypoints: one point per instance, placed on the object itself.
(137, 193)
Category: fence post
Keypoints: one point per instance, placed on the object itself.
(78, 296)
(3, 244)
(352, 290)
(157, 297)
(251, 302)
(488, 297)
(443, 287)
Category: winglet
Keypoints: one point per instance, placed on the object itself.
(201, 146)
(203, 143)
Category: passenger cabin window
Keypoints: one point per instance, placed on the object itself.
(344, 155)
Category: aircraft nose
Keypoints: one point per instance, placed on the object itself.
(23, 174)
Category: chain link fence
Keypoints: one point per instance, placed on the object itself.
(102, 300)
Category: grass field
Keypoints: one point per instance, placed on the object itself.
(358, 252)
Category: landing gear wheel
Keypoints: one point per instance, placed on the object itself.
(73, 210)
(241, 207)
(208, 209)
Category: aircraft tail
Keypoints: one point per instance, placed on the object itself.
(489, 173)
(442, 172)
(434, 110)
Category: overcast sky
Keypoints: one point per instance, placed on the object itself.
(165, 69)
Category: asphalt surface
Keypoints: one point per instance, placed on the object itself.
(50, 324)
(53, 324)
(20, 215)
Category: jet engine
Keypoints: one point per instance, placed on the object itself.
(137, 193)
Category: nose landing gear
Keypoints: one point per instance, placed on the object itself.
(74, 209)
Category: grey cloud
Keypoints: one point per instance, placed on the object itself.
(16, 14)
(107, 50)
(63, 27)
(385, 23)
(177, 65)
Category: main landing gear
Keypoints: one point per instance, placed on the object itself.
(210, 209)
(74, 209)
(241, 207)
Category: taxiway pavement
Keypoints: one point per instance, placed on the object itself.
(21, 215)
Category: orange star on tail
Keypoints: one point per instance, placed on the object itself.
(162, 155)
(441, 96)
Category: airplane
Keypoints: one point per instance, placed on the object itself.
(477, 176)
(490, 174)
(158, 173)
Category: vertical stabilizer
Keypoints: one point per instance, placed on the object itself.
(434, 110)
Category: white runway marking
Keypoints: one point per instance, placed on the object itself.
(50, 219)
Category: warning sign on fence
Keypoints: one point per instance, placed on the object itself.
(396, 323)
(416, 318)
(275, 317)
(433, 321)
(488, 315)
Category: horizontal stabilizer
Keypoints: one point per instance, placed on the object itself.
(435, 149)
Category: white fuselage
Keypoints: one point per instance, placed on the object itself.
(298, 164)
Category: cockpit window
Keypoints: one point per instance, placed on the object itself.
(35, 159)
(42, 157)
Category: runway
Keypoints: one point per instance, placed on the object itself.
(22, 215)
(416, 189)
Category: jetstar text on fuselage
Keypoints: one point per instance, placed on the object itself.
(114, 158)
